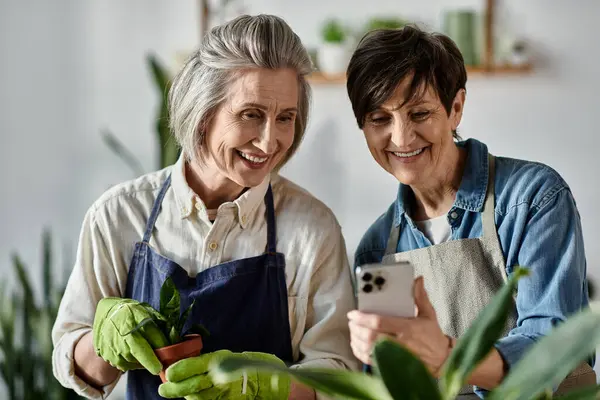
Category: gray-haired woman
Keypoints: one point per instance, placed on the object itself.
(263, 261)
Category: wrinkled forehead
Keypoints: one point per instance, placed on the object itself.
(269, 87)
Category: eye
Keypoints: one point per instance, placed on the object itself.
(286, 118)
(419, 115)
(251, 114)
(379, 119)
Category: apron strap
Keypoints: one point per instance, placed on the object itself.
(392, 243)
(271, 229)
(155, 210)
(487, 216)
(489, 237)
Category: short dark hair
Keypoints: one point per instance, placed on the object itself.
(384, 57)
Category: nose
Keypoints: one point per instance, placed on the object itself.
(267, 139)
(403, 133)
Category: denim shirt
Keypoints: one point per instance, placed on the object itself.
(538, 225)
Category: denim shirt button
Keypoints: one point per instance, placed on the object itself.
(454, 215)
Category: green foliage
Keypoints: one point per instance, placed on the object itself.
(169, 319)
(25, 333)
(167, 146)
(401, 375)
(385, 23)
(334, 32)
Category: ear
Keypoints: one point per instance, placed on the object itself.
(456, 111)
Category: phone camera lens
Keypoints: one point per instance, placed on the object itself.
(367, 277)
(368, 288)
(379, 281)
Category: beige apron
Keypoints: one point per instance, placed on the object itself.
(462, 276)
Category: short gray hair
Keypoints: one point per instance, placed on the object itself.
(262, 41)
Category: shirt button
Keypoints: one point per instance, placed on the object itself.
(198, 206)
(244, 219)
(213, 245)
(454, 215)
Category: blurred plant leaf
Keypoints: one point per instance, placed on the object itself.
(168, 148)
(404, 375)
(333, 382)
(552, 358)
(479, 339)
(122, 152)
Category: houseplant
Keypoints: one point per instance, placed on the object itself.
(169, 319)
(333, 55)
(25, 330)
(401, 375)
(168, 149)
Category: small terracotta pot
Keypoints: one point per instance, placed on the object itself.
(169, 355)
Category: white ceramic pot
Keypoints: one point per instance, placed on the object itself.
(333, 58)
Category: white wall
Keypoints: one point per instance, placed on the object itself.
(71, 68)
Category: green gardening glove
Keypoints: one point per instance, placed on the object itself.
(192, 378)
(114, 340)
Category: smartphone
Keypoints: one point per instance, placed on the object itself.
(386, 289)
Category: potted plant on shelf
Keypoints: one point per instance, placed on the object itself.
(401, 375)
(171, 323)
(333, 55)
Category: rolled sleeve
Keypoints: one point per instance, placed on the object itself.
(78, 305)
(552, 249)
(511, 348)
(63, 366)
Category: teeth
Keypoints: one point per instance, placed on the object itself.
(411, 154)
(257, 160)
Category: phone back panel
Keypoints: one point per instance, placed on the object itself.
(386, 289)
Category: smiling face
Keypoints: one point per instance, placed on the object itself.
(412, 138)
(252, 130)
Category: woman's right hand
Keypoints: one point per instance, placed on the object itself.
(114, 340)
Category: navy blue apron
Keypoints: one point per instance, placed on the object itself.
(243, 303)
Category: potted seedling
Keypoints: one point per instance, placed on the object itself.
(333, 54)
(171, 321)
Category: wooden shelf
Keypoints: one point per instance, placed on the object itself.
(318, 78)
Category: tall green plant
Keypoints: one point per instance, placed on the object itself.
(168, 150)
(25, 332)
(401, 375)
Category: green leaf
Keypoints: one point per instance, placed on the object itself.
(170, 301)
(184, 316)
(47, 266)
(479, 339)
(174, 336)
(121, 151)
(199, 329)
(404, 375)
(552, 358)
(333, 382)
(586, 393)
(140, 325)
(169, 150)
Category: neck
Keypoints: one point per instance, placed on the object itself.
(438, 195)
(212, 187)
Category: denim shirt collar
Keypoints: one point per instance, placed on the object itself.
(473, 186)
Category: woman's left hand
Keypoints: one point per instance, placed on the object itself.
(422, 334)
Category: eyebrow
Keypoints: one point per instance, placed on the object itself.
(262, 107)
